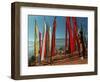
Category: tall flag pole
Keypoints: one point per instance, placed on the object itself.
(36, 41)
(71, 39)
(53, 46)
(43, 43)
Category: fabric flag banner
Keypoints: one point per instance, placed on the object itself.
(43, 43)
(36, 40)
(40, 46)
(47, 43)
(76, 38)
(40, 42)
(50, 37)
(71, 39)
(53, 38)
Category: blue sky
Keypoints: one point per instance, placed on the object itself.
(60, 21)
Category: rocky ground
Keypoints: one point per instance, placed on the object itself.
(62, 59)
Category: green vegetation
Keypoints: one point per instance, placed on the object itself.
(31, 60)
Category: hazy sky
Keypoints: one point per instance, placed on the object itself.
(60, 21)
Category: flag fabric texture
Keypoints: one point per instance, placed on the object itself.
(76, 38)
(71, 36)
(53, 45)
(43, 54)
(36, 41)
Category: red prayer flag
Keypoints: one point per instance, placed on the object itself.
(45, 47)
(53, 38)
(71, 39)
(76, 38)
